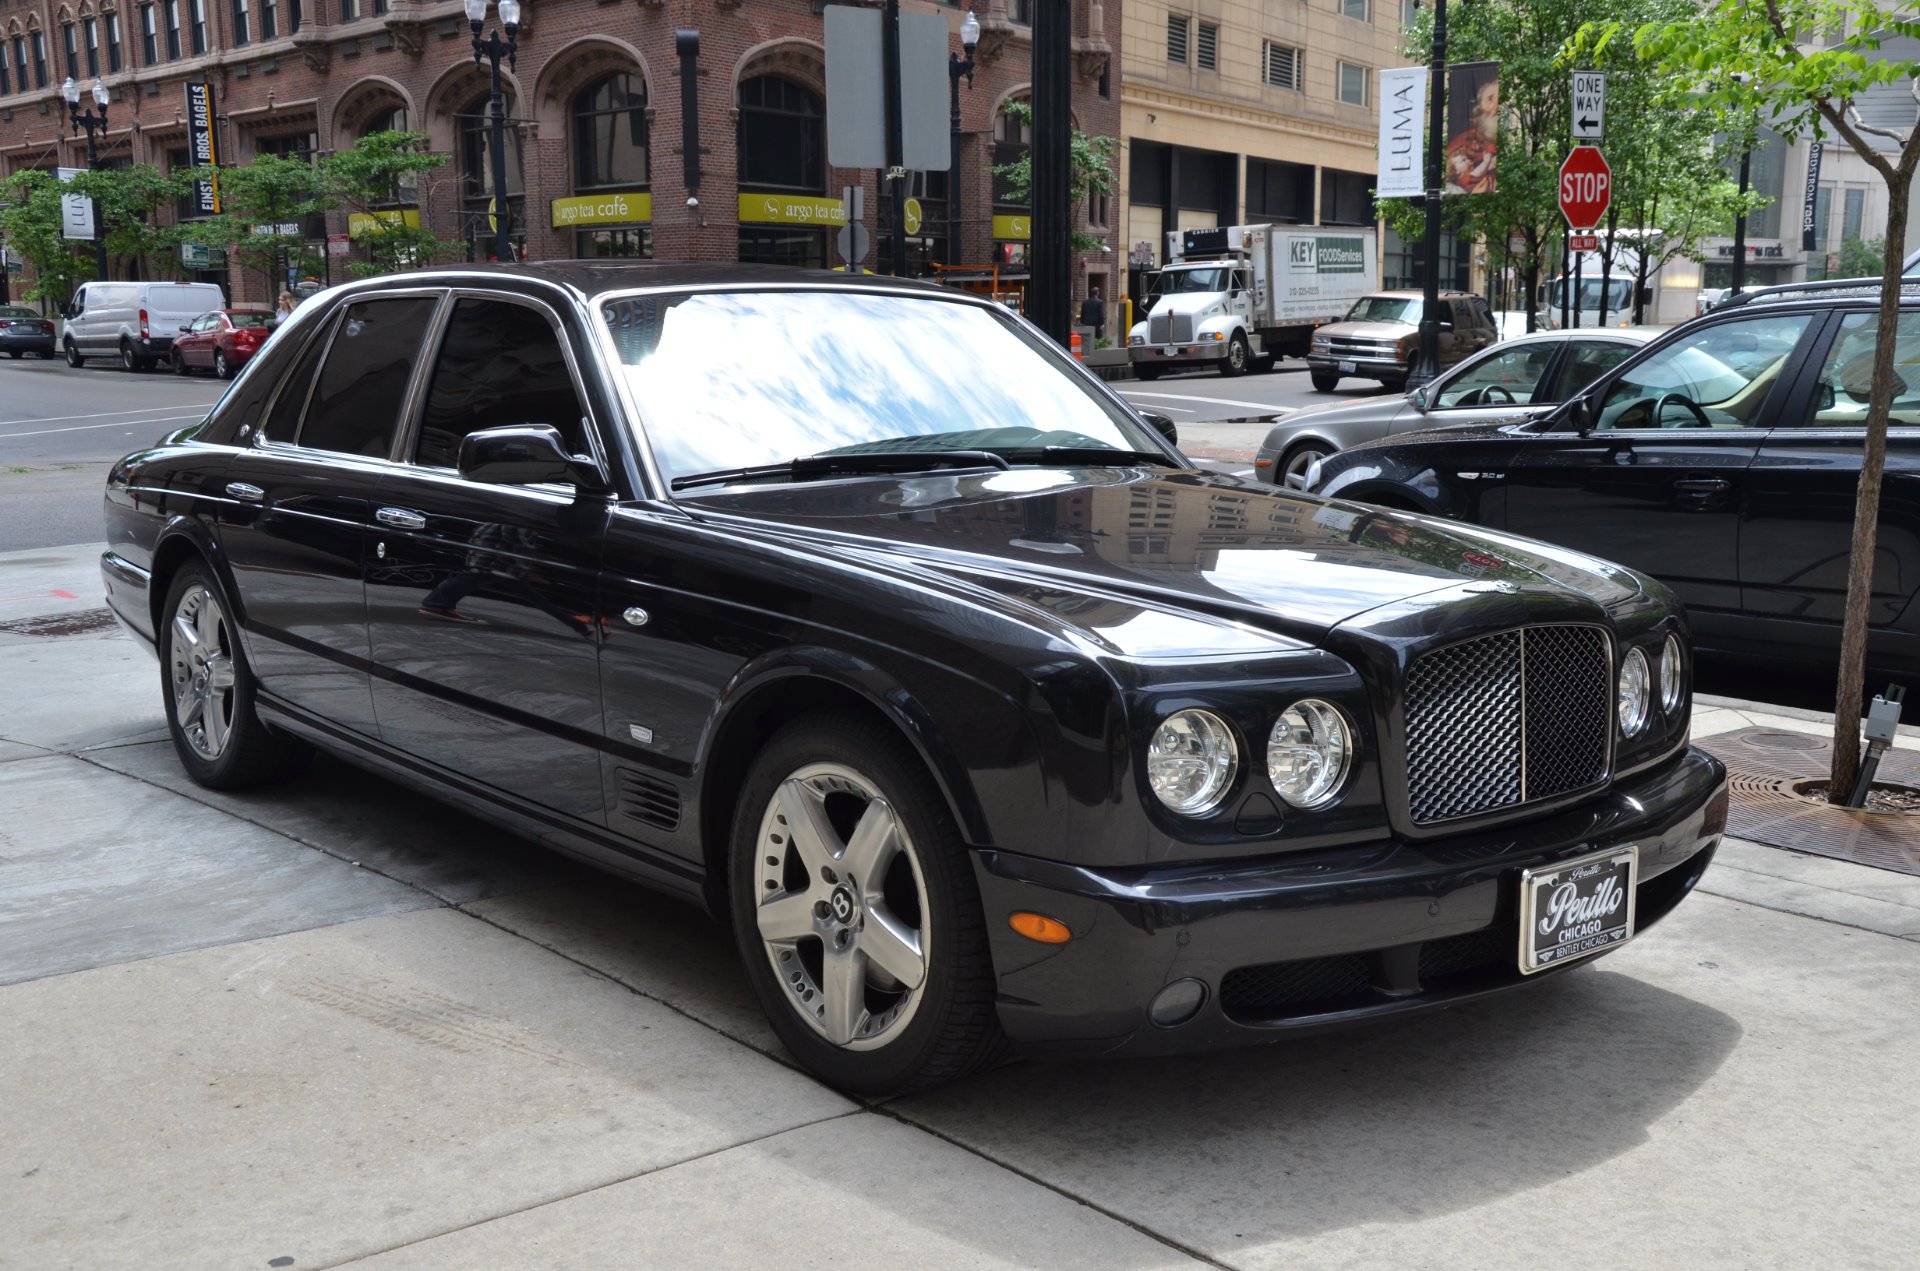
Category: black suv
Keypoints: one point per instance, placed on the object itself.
(1723, 458)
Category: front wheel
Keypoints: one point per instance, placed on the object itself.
(208, 692)
(856, 912)
(1324, 381)
(180, 364)
(1238, 357)
(1296, 463)
(1146, 373)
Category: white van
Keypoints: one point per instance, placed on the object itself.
(133, 321)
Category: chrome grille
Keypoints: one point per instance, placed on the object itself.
(1182, 328)
(1157, 328)
(1508, 719)
(1348, 346)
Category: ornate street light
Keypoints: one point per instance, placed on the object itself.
(957, 67)
(494, 50)
(94, 121)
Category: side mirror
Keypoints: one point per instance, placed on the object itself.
(523, 454)
(186, 326)
(1823, 396)
(1162, 425)
(1580, 412)
(1419, 398)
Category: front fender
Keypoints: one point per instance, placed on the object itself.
(1391, 483)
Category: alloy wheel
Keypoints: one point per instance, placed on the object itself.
(201, 669)
(1299, 463)
(220, 367)
(841, 906)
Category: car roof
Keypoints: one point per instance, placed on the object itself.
(1830, 292)
(1414, 293)
(592, 278)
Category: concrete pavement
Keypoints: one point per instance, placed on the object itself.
(334, 1024)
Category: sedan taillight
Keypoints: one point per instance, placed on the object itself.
(5, 322)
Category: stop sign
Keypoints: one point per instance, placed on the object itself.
(1586, 188)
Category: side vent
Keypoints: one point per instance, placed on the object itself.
(648, 799)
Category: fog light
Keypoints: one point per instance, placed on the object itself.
(1177, 1003)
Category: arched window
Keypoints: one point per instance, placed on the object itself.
(476, 174)
(782, 136)
(1012, 138)
(394, 119)
(610, 134)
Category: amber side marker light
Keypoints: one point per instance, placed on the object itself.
(1040, 927)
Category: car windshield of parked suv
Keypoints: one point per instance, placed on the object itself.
(1385, 309)
(250, 318)
(1175, 281)
(1717, 377)
(736, 380)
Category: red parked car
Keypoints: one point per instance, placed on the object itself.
(221, 341)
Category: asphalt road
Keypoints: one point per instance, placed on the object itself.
(61, 428)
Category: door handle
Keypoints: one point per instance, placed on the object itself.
(241, 490)
(1702, 485)
(401, 518)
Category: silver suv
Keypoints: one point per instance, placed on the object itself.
(1380, 335)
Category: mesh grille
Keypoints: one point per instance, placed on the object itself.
(1507, 719)
(1453, 956)
(1182, 328)
(1280, 989)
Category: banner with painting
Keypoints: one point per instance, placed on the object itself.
(1473, 127)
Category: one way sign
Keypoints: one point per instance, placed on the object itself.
(1589, 105)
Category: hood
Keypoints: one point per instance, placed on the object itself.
(1386, 406)
(1367, 330)
(1284, 561)
(1194, 302)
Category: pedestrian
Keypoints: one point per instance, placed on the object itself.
(1093, 313)
(285, 308)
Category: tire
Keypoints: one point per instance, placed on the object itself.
(48, 356)
(221, 371)
(180, 366)
(1238, 357)
(1265, 363)
(1299, 457)
(73, 354)
(221, 742)
(1145, 373)
(1324, 381)
(15, 354)
(129, 360)
(790, 916)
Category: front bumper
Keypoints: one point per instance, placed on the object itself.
(1175, 354)
(1327, 938)
(1365, 367)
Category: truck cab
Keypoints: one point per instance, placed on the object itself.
(1204, 313)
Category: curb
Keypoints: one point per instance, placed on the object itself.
(1785, 712)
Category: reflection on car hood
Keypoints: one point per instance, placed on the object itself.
(1367, 330)
(1469, 430)
(1280, 560)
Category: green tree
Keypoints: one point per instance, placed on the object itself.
(257, 200)
(1861, 259)
(380, 171)
(125, 199)
(1092, 169)
(1746, 61)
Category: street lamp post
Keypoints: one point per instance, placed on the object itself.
(1427, 361)
(957, 68)
(94, 121)
(494, 50)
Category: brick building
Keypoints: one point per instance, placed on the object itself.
(596, 165)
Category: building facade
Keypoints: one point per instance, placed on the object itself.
(602, 160)
(1238, 111)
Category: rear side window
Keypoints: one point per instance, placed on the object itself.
(284, 421)
(356, 400)
(499, 364)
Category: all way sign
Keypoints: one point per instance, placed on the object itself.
(1589, 105)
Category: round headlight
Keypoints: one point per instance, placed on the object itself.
(1670, 673)
(1191, 761)
(1309, 752)
(1632, 694)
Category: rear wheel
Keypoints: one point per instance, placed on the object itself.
(73, 354)
(208, 691)
(221, 369)
(129, 360)
(1324, 381)
(856, 914)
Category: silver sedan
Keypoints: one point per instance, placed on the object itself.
(1523, 376)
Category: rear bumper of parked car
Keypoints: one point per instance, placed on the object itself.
(12, 341)
(1305, 941)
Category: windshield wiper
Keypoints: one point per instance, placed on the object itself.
(813, 467)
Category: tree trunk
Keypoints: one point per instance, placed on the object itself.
(1866, 509)
(1532, 276)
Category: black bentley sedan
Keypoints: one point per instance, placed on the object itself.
(857, 612)
(1723, 459)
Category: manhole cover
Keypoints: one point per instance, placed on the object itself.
(1764, 776)
(85, 622)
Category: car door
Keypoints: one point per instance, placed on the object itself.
(193, 342)
(294, 529)
(483, 608)
(1795, 544)
(1658, 479)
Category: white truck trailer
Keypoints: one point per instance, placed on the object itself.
(1240, 296)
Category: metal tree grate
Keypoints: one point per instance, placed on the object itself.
(1763, 767)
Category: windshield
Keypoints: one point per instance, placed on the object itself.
(15, 311)
(1175, 281)
(250, 318)
(732, 380)
(1619, 294)
(1385, 309)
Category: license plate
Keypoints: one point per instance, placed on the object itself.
(1577, 908)
(1348, 368)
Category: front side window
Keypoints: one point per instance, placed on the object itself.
(1718, 377)
(1510, 378)
(356, 400)
(500, 364)
(739, 379)
(1206, 50)
(1846, 376)
(1586, 362)
(20, 62)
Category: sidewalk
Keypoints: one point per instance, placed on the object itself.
(335, 1024)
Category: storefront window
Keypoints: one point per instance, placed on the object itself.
(777, 245)
(634, 242)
